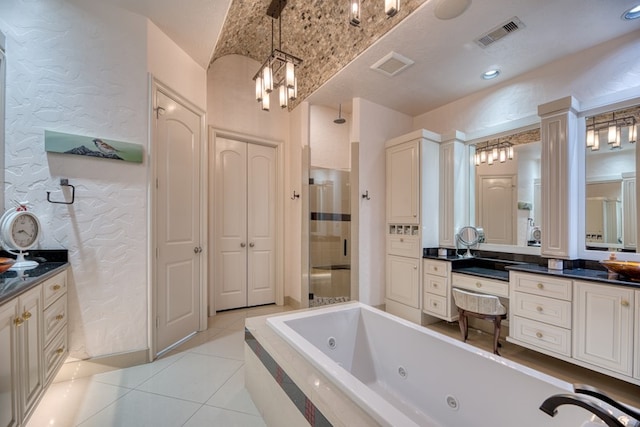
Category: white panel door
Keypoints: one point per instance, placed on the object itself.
(403, 280)
(245, 260)
(497, 209)
(261, 224)
(231, 224)
(178, 135)
(603, 326)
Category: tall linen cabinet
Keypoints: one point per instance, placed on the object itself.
(412, 191)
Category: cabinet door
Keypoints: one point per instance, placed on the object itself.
(30, 339)
(403, 183)
(603, 326)
(636, 369)
(8, 365)
(403, 280)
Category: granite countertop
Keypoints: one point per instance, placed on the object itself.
(602, 276)
(488, 273)
(14, 283)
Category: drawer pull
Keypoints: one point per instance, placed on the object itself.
(435, 286)
(401, 240)
(60, 317)
(435, 304)
(26, 315)
(18, 321)
(540, 286)
(479, 284)
(624, 303)
(435, 268)
(539, 334)
(56, 287)
(59, 350)
(539, 309)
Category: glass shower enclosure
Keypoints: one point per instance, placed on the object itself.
(329, 236)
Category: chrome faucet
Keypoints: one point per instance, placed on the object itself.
(550, 405)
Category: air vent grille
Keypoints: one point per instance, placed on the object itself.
(392, 64)
(492, 36)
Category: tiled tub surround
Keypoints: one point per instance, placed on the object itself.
(383, 370)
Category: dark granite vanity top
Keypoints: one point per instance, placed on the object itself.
(590, 274)
(14, 283)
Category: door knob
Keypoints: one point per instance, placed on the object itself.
(197, 249)
(242, 245)
(251, 244)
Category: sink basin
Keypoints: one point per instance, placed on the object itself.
(630, 269)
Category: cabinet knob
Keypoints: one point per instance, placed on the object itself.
(479, 284)
(435, 268)
(539, 334)
(60, 317)
(251, 245)
(624, 303)
(539, 308)
(540, 286)
(242, 245)
(415, 267)
(401, 239)
(435, 286)
(59, 350)
(435, 304)
(18, 321)
(26, 315)
(56, 287)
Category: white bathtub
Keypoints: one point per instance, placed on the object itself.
(406, 375)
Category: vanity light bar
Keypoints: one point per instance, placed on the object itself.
(615, 129)
(493, 152)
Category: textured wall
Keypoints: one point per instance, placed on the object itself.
(247, 31)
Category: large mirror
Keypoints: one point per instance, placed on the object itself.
(505, 196)
(2, 90)
(610, 174)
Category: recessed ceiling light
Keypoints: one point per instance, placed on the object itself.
(491, 74)
(632, 13)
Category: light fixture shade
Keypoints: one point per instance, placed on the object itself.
(267, 78)
(259, 88)
(354, 12)
(490, 159)
(477, 159)
(495, 153)
(612, 134)
(596, 142)
(590, 137)
(503, 155)
(510, 152)
(483, 156)
(265, 102)
(290, 74)
(284, 96)
(633, 134)
(617, 142)
(293, 92)
(391, 7)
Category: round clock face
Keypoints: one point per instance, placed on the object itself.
(24, 230)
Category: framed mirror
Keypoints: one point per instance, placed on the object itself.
(611, 218)
(505, 196)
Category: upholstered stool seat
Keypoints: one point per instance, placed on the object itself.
(481, 306)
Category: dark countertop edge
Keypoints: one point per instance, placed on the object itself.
(589, 274)
(33, 282)
(470, 272)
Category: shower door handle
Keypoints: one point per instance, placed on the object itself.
(344, 247)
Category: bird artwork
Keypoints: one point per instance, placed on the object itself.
(104, 148)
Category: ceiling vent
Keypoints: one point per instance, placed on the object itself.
(492, 36)
(392, 64)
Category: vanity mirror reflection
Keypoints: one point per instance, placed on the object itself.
(610, 176)
(505, 196)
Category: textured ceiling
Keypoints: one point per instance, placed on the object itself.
(316, 31)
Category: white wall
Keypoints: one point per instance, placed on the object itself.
(609, 70)
(329, 141)
(372, 126)
(83, 69)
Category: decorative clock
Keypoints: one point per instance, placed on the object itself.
(19, 231)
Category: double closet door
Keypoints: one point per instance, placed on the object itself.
(245, 224)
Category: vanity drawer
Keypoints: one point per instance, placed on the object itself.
(541, 335)
(54, 287)
(408, 246)
(436, 268)
(548, 310)
(538, 284)
(434, 304)
(55, 317)
(54, 355)
(435, 284)
(480, 284)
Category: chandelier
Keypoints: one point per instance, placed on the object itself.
(613, 131)
(490, 152)
(278, 72)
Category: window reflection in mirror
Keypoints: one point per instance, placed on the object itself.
(610, 196)
(506, 197)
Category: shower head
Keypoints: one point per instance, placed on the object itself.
(340, 120)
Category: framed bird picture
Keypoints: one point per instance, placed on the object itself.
(65, 143)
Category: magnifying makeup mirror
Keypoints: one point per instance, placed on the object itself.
(468, 237)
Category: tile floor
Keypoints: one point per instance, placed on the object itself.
(200, 383)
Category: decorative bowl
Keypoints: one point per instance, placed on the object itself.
(630, 269)
(6, 263)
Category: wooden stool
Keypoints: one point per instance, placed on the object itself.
(481, 306)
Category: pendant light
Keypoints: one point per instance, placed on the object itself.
(391, 7)
(354, 12)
